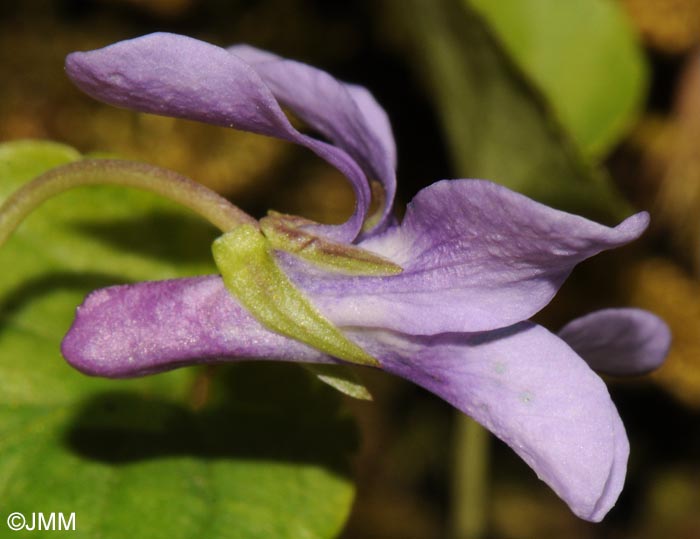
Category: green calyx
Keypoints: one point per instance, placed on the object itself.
(249, 270)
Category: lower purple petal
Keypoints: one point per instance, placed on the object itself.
(618, 471)
(523, 383)
(532, 391)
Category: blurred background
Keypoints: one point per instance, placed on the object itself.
(592, 106)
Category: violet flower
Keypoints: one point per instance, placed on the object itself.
(478, 260)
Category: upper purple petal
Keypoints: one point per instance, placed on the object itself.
(619, 341)
(523, 383)
(346, 114)
(179, 76)
(476, 257)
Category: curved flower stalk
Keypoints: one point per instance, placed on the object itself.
(446, 305)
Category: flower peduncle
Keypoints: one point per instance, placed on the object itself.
(216, 209)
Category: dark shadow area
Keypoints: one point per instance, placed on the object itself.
(144, 235)
(258, 412)
(663, 435)
(32, 289)
(655, 420)
(476, 339)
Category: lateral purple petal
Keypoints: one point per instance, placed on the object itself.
(476, 257)
(346, 114)
(178, 76)
(532, 391)
(621, 342)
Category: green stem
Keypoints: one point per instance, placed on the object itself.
(216, 209)
(471, 471)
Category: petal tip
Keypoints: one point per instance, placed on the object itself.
(76, 346)
(100, 342)
(634, 226)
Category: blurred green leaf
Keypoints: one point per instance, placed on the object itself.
(264, 456)
(583, 56)
(497, 126)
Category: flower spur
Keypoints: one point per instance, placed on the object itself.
(474, 260)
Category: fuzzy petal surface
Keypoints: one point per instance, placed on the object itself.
(620, 342)
(476, 256)
(134, 330)
(178, 76)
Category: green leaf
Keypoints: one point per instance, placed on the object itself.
(584, 57)
(497, 126)
(250, 451)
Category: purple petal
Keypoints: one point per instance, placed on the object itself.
(366, 116)
(618, 471)
(183, 77)
(523, 383)
(346, 114)
(133, 330)
(532, 391)
(377, 122)
(476, 257)
(619, 341)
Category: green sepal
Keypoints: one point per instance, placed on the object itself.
(284, 233)
(249, 270)
(342, 378)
